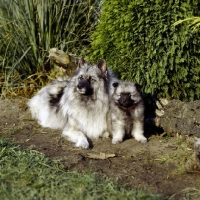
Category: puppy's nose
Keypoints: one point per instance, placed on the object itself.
(80, 86)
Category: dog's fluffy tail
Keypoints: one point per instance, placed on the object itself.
(42, 110)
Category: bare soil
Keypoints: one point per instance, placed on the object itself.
(157, 166)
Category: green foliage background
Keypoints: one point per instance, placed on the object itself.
(28, 29)
(138, 40)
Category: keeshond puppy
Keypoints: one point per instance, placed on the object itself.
(127, 112)
(79, 106)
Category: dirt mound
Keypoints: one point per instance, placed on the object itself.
(179, 117)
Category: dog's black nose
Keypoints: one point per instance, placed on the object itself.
(80, 86)
(84, 83)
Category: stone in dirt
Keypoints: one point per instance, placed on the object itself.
(179, 117)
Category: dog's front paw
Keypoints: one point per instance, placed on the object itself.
(141, 138)
(82, 143)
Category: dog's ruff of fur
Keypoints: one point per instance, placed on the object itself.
(79, 106)
(127, 112)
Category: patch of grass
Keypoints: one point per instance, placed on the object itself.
(188, 194)
(139, 152)
(177, 156)
(12, 130)
(27, 174)
(170, 157)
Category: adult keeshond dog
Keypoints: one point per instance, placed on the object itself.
(79, 106)
(127, 112)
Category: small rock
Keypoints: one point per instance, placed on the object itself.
(163, 101)
(160, 113)
(193, 163)
(197, 143)
(158, 104)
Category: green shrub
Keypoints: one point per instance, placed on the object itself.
(30, 28)
(140, 43)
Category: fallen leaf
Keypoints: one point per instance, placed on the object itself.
(101, 156)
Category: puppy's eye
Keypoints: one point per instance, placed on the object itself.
(92, 79)
(80, 77)
(130, 95)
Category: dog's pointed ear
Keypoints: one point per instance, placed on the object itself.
(115, 84)
(102, 66)
(138, 87)
(81, 62)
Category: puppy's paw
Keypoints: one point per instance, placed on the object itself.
(82, 143)
(116, 141)
(141, 138)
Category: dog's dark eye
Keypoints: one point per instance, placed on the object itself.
(91, 79)
(130, 95)
(80, 77)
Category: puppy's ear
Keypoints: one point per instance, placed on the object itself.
(81, 62)
(102, 66)
(138, 87)
(115, 84)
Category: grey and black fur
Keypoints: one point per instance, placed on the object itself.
(44, 106)
(127, 112)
